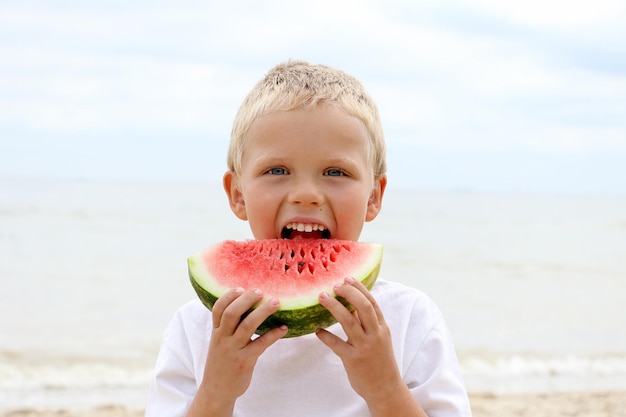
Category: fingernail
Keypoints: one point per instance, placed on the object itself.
(323, 295)
(348, 280)
(239, 290)
(275, 302)
(258, 292)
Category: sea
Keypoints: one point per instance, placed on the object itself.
(533, 286)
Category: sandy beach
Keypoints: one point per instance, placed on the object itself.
(605, 404)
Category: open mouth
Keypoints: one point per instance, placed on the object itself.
(304, 231)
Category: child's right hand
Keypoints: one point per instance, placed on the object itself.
(232, 352)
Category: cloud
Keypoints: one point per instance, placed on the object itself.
(446, 75)
(572, 16)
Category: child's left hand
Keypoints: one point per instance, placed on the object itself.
(367, 354)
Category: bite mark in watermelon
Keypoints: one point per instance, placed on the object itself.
(294, 271)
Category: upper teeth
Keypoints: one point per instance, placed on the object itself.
(301, 227)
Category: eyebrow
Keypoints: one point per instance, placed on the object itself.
(342, 161)
(269, 160)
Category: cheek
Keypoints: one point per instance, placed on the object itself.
(260, 204)
(351, 210)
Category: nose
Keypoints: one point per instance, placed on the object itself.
(306, 192)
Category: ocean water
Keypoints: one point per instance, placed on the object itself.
(533, 286)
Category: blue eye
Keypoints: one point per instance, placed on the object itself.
(334, 172)
(277, 171)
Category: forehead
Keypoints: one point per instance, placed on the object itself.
(318, 125)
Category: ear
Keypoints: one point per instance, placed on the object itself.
(374, 204)
(235, 197)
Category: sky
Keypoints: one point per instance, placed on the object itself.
(480, 95)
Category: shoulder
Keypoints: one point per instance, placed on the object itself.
(399, 297)
(384, 288)
(194, 311)
(192, 321)
(412, 316)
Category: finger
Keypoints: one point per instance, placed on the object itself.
(334, 342)
(223, 302)
(370, 297)
(252, 321)
(258, 346)
(363, 302)
(338, 310)
(367, 293)
(231, 315)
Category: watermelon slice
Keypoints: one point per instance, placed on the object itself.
(294, 271)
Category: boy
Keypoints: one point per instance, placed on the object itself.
(306, 160)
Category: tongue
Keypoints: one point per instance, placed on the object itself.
(305, 235)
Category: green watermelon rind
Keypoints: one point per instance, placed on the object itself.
(303, 314)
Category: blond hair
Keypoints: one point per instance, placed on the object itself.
(297, 84)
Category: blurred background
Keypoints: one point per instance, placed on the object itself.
(506, 132)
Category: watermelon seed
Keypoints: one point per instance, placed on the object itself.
(333, 257)
(302, 253)
(311, 267)
(293, 254)
(301, 265)
(286, 267)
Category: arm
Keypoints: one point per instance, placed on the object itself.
(232, 352)
(368, 355)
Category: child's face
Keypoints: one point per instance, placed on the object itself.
(305, 174)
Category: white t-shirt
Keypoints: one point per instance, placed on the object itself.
(302, 377)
